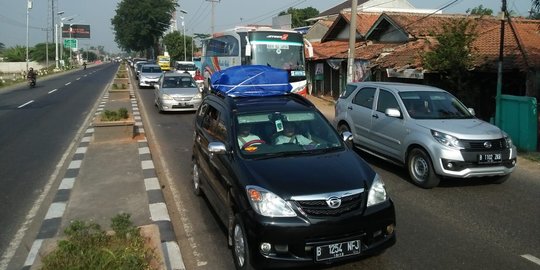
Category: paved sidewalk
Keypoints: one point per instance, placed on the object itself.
(102, 180)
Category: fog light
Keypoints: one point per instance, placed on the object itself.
(390, 229)
(450, 165)
(514, 162)
(266, 247)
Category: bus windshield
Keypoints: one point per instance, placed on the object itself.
(283, 56)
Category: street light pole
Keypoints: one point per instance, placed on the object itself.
(56, 40)
(28, 7)
(184, 28)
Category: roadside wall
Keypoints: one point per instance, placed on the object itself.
(16, 67)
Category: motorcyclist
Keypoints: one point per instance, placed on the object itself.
(31, 76)
(84, 65)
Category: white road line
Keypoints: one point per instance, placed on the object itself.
(531, 258)
(78, 79)
(68, 83)
(52, 91)
(25, 104)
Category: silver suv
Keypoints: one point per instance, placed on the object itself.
(425, 129)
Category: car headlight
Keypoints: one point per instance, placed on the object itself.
(447, 140)
(166, 97)
(268, 204)
(198, 96)
(509, 142)
(377, 192)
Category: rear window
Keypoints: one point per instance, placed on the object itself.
(188, 67)
(151, 69)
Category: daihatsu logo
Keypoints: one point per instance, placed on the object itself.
(333, 202)
(487, 145)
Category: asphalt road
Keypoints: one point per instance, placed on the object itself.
(36, 128)
(462, 224)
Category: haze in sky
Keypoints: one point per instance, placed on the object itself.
(228, 13)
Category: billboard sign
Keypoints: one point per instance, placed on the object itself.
(77, 31)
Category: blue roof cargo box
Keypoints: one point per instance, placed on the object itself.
(249, 81)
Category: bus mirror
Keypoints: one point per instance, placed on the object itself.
(309, 48)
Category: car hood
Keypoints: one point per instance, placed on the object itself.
(466, 129)
(181, 92)
(306, 175)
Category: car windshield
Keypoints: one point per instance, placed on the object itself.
(434, 105)
(272, 134)
(151, 69)
(178, 82)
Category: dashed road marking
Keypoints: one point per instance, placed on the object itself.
(531, 258)
(25, 104)
(52, 91)
(68, 83)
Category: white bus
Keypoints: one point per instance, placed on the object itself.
(277, 48)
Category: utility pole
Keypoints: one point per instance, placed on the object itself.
(352, 42)
(500, 68)
(28, 8)
(213, 14)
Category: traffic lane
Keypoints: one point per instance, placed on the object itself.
(202, 238)
(34, 138)
(434, 232)
(465, 223)
(20, 96)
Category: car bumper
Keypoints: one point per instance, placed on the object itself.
(464, 164)
(147, 82)
(179, 106)
(295, 240)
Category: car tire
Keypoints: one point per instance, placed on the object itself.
(240, 246)
(421, 169)
(343, 127)
(196, 179)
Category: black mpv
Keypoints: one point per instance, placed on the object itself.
(288, 188)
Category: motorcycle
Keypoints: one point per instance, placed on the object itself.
(32, 82)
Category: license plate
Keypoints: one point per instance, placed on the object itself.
(489, 158)
(338, 250)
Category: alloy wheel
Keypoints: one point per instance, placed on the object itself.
(239, 245)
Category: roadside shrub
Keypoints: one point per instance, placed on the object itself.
(89, 247)
(117, 115)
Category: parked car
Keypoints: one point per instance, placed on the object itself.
(149, 75)
(177, 92)
(306, 201)
(425, 129)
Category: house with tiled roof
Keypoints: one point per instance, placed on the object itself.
(389, 47)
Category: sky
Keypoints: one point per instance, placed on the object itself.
(228, 13)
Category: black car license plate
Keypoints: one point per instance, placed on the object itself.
(338, 250)
(489, 158)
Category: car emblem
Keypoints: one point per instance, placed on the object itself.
(487, 145)
(333, 202)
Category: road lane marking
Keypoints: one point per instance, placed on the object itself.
(531, 258)
(52, 91)
(25, 104)
(68, 83)
(78, 79)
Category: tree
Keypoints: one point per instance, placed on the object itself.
(15, 54)
(535, 9)
(175, 45)
(480, 10)
(299, 16)
(138, 24)
(452, 57)
(38, 53)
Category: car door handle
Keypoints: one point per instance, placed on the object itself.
(375, 116)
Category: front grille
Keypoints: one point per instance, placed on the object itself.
(321, 208)
(182, 98)
(498, 144)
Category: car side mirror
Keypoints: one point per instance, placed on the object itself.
(393, 112)
(471, 110)
(217, 148)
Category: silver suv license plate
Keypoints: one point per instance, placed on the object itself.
(489, 158)
(338, 250)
